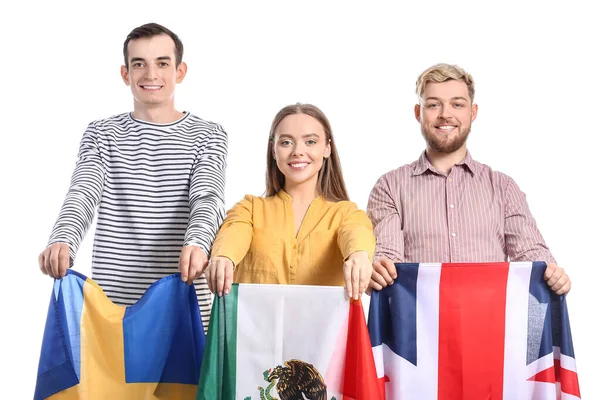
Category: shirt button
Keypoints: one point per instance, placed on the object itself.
(453, 234)
(449, 179)
(295, 246)
(451, 205)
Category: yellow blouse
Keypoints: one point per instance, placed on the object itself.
(258, 236)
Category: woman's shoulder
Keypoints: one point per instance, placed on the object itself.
(342, 205)
(258, 199)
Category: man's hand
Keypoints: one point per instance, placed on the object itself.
(54, 261)
(557, 279)
(384, 273)
(357, 272)
(192, 262)
(219, 275)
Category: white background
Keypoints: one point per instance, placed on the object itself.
(536, 86)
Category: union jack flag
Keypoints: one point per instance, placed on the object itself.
(473, 331)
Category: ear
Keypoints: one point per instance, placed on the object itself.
(181, 71)
(474, 109)
(125, 75)
(327, 149)
(418, 112)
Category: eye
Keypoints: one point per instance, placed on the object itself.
(163, 64)
(286, 142)
(137, 64)
(311, 142)
(432, 105)
(458, 105)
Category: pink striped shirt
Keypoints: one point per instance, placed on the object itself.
(472, 214)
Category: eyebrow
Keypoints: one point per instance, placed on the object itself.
(135, 59)
(454, 98)
(286, 135)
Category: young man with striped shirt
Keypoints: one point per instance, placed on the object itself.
(157, 177)
(447, 207)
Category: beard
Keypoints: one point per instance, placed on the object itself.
(446, 144)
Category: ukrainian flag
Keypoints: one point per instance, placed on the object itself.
(94, 349)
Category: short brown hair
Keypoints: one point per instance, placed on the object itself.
(443, 72)
(331, 182)
(148, 31)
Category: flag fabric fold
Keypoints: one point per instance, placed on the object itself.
(94, 349)
(287, 342)
(472, 331)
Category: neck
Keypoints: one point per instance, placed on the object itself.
(445, 161)
(158, 115)
(303, 193)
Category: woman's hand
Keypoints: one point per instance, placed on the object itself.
(357, 273)
(219, 275)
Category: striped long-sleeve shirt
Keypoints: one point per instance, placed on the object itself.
(157, 188)
(471, 214)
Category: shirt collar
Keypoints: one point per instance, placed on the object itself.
(423, 164)
(283, 195)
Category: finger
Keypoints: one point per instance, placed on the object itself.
(375, 285)
(355, 281)
(559, 283)
(221, 278)
(390, 267)
(215, 270)
(365, 278)
(556, 275)
(47, 264)
(348, 280)
(550, 268)
(54, 262)
(63, 260)
(203, 263)
(184, 263)
(208, 276)
(379, 279)
(194, 268)
(42, 263)
(228, 277)
(565, 289)
(383, 272)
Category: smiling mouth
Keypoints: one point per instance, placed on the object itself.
(445, 128)
(151, 87)
(299, 165)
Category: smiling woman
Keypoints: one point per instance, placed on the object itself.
(305, 231)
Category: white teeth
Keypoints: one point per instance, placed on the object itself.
(151, 87)
(298, 165)
(447, 127)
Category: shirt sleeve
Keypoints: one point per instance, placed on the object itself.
(236, 233)
(356, 233)
(386, 217)
(524, 242)
(83, 197)
(207, 192)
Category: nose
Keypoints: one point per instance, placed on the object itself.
(445, 113)
(150, 72)
(298, 150)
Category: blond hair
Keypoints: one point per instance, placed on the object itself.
(442, 73)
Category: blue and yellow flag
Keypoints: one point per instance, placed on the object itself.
(94, 349)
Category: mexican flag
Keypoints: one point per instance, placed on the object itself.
(287, 342)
